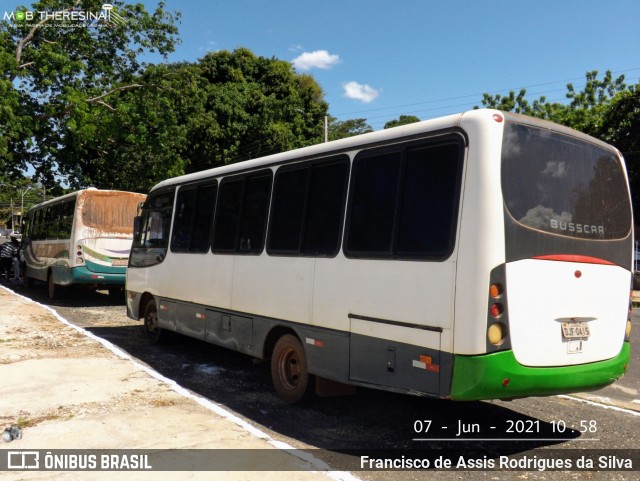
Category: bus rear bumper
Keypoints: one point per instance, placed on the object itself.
(500, 376)
(82, 275)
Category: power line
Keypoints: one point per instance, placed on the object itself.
(479, 95)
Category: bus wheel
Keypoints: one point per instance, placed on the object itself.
(116, 293)
(289, 369)
(26, 280)
(55, 291)
(151, 326)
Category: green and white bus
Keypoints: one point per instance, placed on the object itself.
(475, 256)
(80, 238)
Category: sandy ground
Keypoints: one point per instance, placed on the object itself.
(66, 390)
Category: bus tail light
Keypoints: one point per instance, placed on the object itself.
(496, 290)
(627, 330)
(497, 333)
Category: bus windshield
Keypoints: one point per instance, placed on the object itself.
(562, 185)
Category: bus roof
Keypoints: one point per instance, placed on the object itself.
(77, 192)
(322, 149)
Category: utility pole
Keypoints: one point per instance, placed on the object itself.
(22, 205)
(13, 217)
(326, 128)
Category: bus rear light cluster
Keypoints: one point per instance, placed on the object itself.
(496, 291)
(79, 258)
(497, 330)
(627, 330)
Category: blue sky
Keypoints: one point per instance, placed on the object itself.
(380, 59)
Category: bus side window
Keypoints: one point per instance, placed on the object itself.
(183, 219)
(254, 215)
(404, 203)
(241, 217)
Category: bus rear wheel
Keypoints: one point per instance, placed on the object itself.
(151, 326)
(289, 369)
(54, 290)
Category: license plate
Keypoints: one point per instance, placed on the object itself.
(575, 330)
(119, 262)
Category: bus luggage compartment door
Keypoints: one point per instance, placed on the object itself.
(392, 361)
(229, 330)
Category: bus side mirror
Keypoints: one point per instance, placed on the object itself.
(137, 227)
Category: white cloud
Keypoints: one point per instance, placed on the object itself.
(363, 93)
(316, 59)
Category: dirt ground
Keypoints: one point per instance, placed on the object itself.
(66, 390)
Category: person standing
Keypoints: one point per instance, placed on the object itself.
(9, 258)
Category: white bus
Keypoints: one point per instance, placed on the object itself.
(80, 238)
(475, 256)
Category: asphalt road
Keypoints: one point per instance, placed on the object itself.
(375, 423)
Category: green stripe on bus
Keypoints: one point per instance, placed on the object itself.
(96, 268)
(483, 377)
(98, 255)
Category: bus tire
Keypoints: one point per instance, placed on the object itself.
(54, 290)
(151, 327)
(289, 369)
(26, 280)
(116, 293)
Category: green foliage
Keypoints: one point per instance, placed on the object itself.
(607, 109)
(187, 117)
(77, 104)
(340, 129)
(402, 120)
(254, 106)
(620, 126)
(584, 112)
(14, 194)
(56, 77)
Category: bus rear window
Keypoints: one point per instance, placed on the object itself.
(110, 211)
(562, 185)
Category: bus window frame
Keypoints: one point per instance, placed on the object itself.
(243, 178)
(454, 137)
(309, 165)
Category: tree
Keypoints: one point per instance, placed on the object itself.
(402, 120)
(57, 73)
(16, 194)
(340, 129)
(621, 127)
(584, 112)
(607, 109)
(253, 106)
(229, 106)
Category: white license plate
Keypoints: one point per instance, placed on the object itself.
(119, 262)
(575, 330)
(575, 347)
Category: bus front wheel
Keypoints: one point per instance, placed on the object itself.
(289, 369)
(26, 280)
(151, 325)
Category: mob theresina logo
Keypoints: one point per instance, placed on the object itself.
(70, 17)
